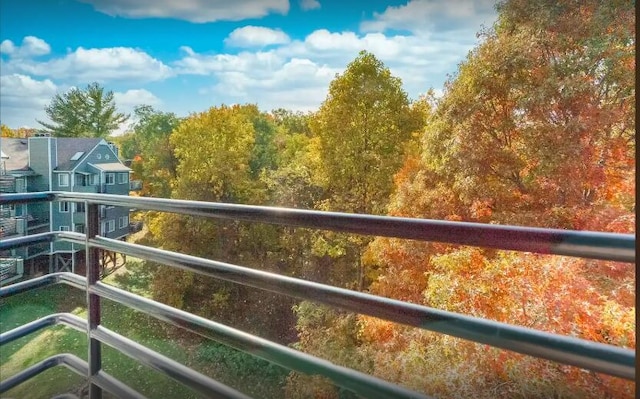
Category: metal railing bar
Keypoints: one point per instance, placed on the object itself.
(71, 279)
(361, 383)
(116, 387)
(72, 362)
(67, 319)
(79, 366)
(165, 365)
(589, 355)
(270, 351)
(26, 198)
(586, 244)
(22, 241)
(94, 311)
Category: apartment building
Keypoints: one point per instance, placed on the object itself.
(89, 165)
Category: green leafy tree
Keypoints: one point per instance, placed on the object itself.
(89, 112)
(148, 145)
(361, 127)
(358, 143)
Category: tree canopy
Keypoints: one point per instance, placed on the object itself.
(89, 112)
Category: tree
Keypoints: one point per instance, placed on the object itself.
(358, 142)
(361, 127)
(537, 128)
(148, 145)
(83, 113)
(21, 132)
(360, 131)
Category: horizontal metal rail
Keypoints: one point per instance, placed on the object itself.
(364, 384)
(67, 319)
(589, 355)
(584, 244)
(169, 367)
(74, 363)
(190, 378)
(21, 241)
(43, 281)
(577, 352)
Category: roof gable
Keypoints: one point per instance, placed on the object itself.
(68, 147)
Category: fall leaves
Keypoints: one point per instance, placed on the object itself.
(536, 129)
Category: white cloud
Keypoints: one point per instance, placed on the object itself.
(129, 99)
(23, 99)
(7, 47)
(430, 16)
(307, 5)
(256, 36)
(297, 74)
(198, 11)
(101, 65)
(31, 47)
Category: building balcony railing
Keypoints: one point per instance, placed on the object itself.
(588, 355)
(12, 226)
(135, 185)
(11, 184)
(7, 184)
(10, 269)
(86, 189)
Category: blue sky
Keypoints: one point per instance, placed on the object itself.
(188, 55)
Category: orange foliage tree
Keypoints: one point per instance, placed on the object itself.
(537, 128)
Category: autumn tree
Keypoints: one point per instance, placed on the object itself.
(149, 148)
(358, 139)
(361, 127)
(89, 112)
(21, 132)
(222, 155)
(536, 128)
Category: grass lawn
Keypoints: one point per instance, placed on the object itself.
(224, 364)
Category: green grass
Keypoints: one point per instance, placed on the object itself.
(227, 365)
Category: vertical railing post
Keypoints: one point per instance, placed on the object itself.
(93, 300)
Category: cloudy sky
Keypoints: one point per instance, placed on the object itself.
(187, 55)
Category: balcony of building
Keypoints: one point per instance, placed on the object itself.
(11, 269)
(135, 185)
(591, 357)
(12, 226)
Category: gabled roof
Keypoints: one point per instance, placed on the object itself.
(68, 147)
(16, 152)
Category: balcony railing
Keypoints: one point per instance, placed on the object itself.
(7, 184)
(135, 185)
(12, 226)
(567, 350)
(10, 269)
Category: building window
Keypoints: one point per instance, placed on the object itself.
(103, 228)
(79, 206)
(123, 178)
(63, 180)
(78, 228)
(63, 207)
(111, 179)
(94, 179)
(123, 221)
(111, 226)
(64, 228)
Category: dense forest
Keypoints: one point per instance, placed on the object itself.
(535, 128)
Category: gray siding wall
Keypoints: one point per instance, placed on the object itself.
(40, 157)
